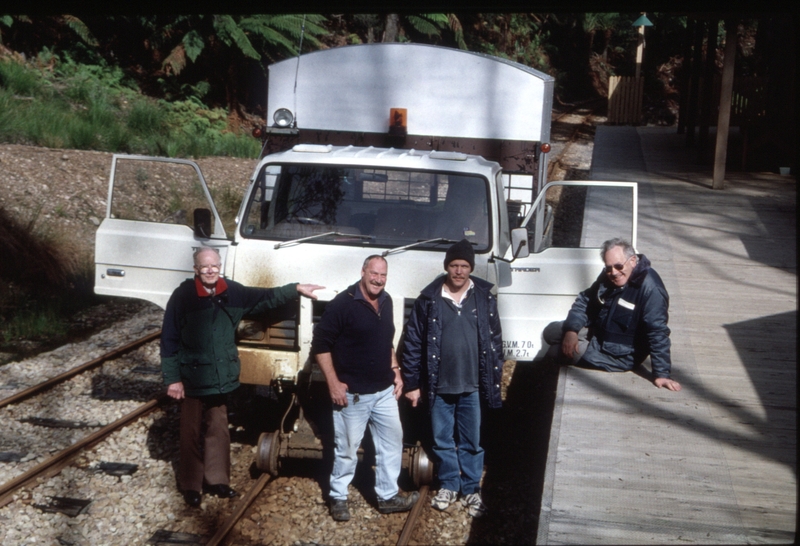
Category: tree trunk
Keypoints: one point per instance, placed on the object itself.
(392, 28)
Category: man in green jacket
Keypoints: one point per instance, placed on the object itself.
(200, 365)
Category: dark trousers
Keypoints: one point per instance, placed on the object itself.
(205, 448)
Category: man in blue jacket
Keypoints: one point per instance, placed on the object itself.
(200, 365)
(619, 320)
(354, 346)
(454, 352)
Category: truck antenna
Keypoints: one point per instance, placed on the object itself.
(297, 69)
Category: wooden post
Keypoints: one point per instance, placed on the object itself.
(723, 123)
(707, 98)
(694, 91)
(685, 76)
(639, 51)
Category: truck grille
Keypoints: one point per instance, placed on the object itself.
(277, 329)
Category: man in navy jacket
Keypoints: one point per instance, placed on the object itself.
(454, 352)
(619, 320)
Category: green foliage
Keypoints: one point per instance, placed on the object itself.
(232, 34)
(92, 107)
(520, 37)
(193, 44)
(43, 321)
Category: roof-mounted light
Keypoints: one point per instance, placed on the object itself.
(398, 121)
(283, 117)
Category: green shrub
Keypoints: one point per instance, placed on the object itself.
(146, 117)
(19, 79)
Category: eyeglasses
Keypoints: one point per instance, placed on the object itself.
(208, 268)
(618, 267)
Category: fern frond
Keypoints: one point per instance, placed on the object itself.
(80, 28)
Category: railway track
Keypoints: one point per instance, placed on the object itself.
(223, 532)
(54, 464)
(41, 487)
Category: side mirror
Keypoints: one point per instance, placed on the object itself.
(519, 243)
(202, 223)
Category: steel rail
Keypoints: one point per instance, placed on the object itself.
(413, 516)
(239, 510)
(54, 464)
(27, 393)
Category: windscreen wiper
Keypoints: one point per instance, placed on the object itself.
(438, 240)
(321, 235)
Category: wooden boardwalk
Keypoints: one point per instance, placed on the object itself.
(715, 463)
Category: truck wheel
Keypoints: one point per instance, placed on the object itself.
(420, 467)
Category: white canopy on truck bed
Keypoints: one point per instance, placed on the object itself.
(446, 92)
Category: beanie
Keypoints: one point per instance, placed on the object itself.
(461, 250)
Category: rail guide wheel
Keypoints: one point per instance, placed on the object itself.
(420, 467)
(267, 453)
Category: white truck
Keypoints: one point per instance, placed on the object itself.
(391, 149)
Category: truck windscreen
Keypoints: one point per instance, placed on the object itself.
(385, 207)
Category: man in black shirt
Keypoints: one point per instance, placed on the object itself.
(354, 347)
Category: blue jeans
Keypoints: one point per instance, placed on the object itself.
(460, 466)
(380, 411)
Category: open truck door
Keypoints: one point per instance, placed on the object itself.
(566, 225)
(159, 211)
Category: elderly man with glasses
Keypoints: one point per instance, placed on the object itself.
(200, 366)
(619, 320)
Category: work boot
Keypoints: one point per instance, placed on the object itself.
(339, 510)
(397, 503)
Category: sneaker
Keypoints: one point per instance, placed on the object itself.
(398, 503)
(339, 510)
(474, 505)
(444, 498)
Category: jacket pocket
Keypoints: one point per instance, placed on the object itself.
(622, 318)
(196, 374)
(616, 349)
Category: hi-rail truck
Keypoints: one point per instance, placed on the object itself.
(391, 149)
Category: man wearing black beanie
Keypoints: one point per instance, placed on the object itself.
(453, 351)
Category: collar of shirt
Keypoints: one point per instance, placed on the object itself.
(360, 296)
(202, 292)
(446, 294)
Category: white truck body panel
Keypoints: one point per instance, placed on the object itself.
(447, 92)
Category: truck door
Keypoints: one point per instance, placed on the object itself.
(144, 246)
(567, 224)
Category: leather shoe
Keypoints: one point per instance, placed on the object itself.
(220, 490)
(192, 498)
(398, 503)
(339, 510)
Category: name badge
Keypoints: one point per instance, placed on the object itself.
(626, 304)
